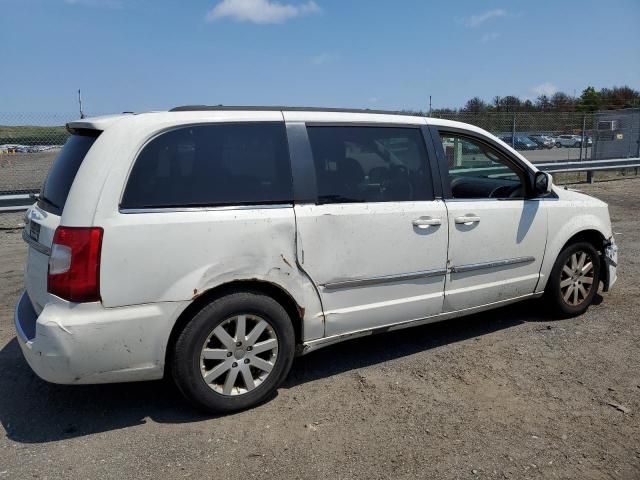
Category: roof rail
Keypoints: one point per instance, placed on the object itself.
(202, 108)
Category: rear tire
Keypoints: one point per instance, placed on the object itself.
(574, 280)
(234, 353)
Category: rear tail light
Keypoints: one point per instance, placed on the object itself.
(74, 264)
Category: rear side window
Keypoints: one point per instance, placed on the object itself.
(212, 165)
(370, 164)
(56, 187)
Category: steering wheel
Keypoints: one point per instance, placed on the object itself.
(503, 191)
(516, 192)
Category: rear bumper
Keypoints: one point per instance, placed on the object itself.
(87, 343)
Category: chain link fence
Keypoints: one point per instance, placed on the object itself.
(539, 136)
(562, 136)
(29, 142)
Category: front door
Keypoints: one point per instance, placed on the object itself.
(375, 241)
(497, 236)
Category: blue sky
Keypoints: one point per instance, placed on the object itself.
(145, 54)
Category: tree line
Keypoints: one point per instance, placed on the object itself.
(590, 100)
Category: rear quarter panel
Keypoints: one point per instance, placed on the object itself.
(168, 256)
(177, 256)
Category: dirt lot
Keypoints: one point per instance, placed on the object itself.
(25, 171)
(506, 394)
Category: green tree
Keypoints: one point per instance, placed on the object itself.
(589, 100)
(619, 97)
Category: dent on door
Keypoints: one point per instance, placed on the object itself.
(256, 244)
(374, 264)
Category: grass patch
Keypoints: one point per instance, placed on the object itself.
(29, 135)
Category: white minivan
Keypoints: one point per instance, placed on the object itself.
(213, 244)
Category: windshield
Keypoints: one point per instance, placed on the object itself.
(63, 171)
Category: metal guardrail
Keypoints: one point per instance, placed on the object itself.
(589, 166)
(16, 202)
(22, 201)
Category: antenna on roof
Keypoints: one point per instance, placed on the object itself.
(80, 103)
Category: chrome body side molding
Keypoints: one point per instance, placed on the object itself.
(313, 345)
(497, 263)
(359, 282)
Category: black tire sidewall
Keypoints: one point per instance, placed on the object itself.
(187, 349)
(553, 291)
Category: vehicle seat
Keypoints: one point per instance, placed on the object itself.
(398, 187)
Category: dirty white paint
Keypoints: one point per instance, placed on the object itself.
(507, 229)
(151, 257)
(35, 275)
(87, 343)
(366, 241)
(572, 212)
(154, 264)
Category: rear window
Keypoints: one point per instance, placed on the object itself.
(212, 165)
(56, 187)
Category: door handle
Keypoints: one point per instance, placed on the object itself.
(425, 222)
(467, 220)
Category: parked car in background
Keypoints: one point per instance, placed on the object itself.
(543, 141)
(520, 142)
(574, 141)
(212, 245)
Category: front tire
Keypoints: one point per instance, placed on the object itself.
(574, 280)
(234, 353)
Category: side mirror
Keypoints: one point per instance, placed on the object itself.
(542, 183)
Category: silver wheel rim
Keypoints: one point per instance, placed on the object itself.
(239, 355)
(576, 278)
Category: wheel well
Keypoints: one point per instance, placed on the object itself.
(595, 238)
(295, 311)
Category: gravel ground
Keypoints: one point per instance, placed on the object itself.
(25, 171)
(504, 394)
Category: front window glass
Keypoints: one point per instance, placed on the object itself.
(478, 171)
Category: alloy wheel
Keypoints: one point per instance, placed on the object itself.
(239, 354)
(576, 278)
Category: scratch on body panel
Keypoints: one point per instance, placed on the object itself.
(286, 261)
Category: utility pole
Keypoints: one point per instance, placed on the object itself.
(80, 104)
(429, 105)
(582, 138)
